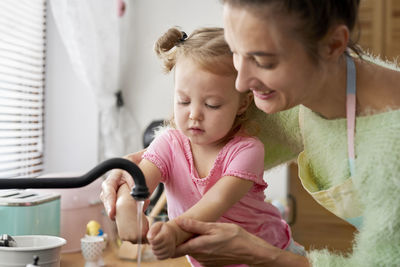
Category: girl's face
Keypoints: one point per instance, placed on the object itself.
(270, 61)
(205, 104)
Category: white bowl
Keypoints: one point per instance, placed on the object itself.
(46, 247)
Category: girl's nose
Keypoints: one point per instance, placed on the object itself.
(195, 114)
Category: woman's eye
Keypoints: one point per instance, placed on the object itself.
(213, 106)
(263, 65)
(266, 66)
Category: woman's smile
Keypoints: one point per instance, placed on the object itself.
(263, 95)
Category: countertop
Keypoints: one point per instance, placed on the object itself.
(111, 259)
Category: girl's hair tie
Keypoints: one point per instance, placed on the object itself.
(184, 36)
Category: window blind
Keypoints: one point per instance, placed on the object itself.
(22, 80)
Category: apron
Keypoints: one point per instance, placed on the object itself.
(342, 200)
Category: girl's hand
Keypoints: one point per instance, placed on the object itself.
(126, 217)
(128, 229)
(162, 238)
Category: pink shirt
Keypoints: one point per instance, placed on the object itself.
(242, 157)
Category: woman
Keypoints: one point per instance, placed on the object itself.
(300, 61)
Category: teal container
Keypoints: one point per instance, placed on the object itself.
(26, 212)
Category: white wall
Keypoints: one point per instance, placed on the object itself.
(149, 93)
(71, 139)
(70, 112)
(277, 183)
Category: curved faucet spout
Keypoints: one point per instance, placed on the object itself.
(139, 191)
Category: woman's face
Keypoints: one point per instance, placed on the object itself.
(270, 60)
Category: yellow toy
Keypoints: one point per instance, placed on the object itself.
(93, 228)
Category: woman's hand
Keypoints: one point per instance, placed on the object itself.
(220, 244)
(113, 181)
(163, 238)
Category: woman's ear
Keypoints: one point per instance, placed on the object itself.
(335, 42)
(245, 102)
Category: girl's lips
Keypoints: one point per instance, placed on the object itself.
(263, 95)
(196, 130)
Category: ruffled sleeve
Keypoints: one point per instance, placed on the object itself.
(244, 159)
(159, 153)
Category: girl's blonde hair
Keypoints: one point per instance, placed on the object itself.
(207, 48)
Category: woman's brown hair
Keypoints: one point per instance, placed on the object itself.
(316, 18)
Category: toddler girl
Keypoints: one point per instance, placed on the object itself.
(211, 165)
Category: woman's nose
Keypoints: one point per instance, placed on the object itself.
(242, 79)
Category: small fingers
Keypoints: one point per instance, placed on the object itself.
(162, 251)
(162, 254)
(154, 230)
(158, 245)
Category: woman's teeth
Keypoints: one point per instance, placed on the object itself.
(263, 94)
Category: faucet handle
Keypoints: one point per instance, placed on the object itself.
(7, 241)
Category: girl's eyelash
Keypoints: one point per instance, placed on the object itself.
(184, 103)
(213, 106)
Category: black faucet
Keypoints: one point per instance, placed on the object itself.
(139, 191)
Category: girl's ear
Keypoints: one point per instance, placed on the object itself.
(245, 102)
(335, 42)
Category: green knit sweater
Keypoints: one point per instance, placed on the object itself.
(376, 180)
